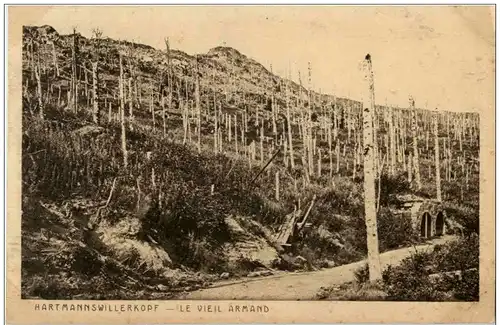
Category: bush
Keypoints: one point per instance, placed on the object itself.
(465, 215)
(202, 256)
(411, 281)
(391, 185)
(394, 231)
(461, 254)
(466, 288)
(362, 274)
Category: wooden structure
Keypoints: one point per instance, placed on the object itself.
(292, 226)
(427, 216)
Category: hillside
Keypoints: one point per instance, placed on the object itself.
(145, 171)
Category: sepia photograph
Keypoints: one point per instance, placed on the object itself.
(256, 154)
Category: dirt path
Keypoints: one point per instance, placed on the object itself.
(299, 286)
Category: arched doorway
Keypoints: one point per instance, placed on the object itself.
(426, 225)
(429, 225)
(423, 226)
(439, 224)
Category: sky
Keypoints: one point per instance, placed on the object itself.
(443, 56)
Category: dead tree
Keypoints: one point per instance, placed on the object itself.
(414, 130)
(308, 125)
(95, 77)
(198, 107)
(369, 173)
(436, 157)
(39, 89)
(54, 58)
(392, 139)
(74, 76)
(122, 115)
(290, 138)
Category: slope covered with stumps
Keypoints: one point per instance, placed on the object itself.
(165, 171)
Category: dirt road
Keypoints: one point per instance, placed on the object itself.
(299, 286)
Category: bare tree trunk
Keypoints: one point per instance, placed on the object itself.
(54, 59)
(185, 116)
(436, 157)
(236, 134)
(122, 117)
(319, 163)
(169, 80)
(409, 168)
(414, 129)
(216, 130)
(130, 104)
(163, 114)
(261, 146)
(392, 148)
(152, 108)
(74, 95)
(309, 126)
(337, 160)
(59, 97)
(39, 90)
(289, 127)
(95, 94)
(369, 174)
(330, 155)
(198, 108)
(85, 74)
(277, 186)
(110, 112)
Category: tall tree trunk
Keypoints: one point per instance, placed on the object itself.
(151, 107)
(170, 74)
(85, 75)
(369, 174)
(337, 153)
(110, 112)
(95, 94)
(289, 127)
(216, 130)
(277, 186)
(163, 114)
(414, 130)
(392, 139)
(130, 104)
(309, 126)
(197, 99)
(236, 134)
(54, 59)
(39, 90)
(436, 157)
(122, 117)
(74, 77)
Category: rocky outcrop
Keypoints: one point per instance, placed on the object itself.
(247, 246)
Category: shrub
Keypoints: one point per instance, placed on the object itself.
(467, 287)
(201, 255)
(362, 274)
(391, 185)
(466, 215)
(394, 231)
(462, 254)
(410, 280)
(198, 214)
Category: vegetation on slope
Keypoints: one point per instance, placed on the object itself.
(160, 224)
(448, 272)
